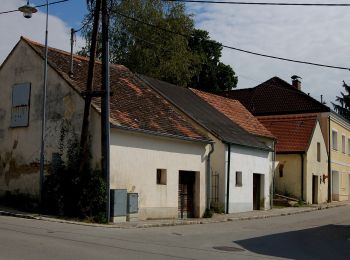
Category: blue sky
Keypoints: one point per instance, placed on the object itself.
(72, 12)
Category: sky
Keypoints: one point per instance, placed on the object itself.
(315, 34)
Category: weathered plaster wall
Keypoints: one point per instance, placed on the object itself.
(20, 147)
(136, 158)
(315, 168)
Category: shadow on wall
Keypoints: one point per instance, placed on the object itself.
(324, 242)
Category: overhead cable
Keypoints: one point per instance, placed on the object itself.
(258, 3)
(234, 48)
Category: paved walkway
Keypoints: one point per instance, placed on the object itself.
(173, 222)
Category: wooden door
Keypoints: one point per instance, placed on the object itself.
(256, 191)
(186, 194)
(314, 189)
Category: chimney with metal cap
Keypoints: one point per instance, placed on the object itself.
(296, 82)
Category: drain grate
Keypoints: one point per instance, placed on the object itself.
(228, 248)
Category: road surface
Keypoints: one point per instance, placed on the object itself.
(321, 234)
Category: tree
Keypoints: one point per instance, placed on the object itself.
(213, 75)
(188, 58)
(343, 108)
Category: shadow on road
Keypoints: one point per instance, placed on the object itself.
(324, 242)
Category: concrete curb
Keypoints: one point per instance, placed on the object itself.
(134, 225)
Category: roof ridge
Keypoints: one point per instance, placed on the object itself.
(76, 56)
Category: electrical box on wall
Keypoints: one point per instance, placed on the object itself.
(132, 206)
(118, 205)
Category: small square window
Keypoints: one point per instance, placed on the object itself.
(161, 176)
(238, 179)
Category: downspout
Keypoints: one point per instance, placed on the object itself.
(329, 162)
(228, 177)
(209, 176)
(273, 174)
(302, 175)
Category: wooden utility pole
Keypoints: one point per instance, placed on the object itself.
(105, 105)
(84, 148)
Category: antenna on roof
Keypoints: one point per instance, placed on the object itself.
(323, 102)
(72, 36)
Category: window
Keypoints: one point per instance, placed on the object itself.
(238, 179)
(343, 143)
(280, 169)
(318, 152)
(20, 105)
(334, 140)
(161, 176)
(348, 146)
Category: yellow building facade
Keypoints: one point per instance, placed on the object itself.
(336, 131)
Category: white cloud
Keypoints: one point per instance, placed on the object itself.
(14, 25)
(316, 34)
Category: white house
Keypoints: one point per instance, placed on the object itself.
(242, 159)
(155, 151)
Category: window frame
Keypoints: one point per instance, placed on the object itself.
(238, 179)
(161, 176)
(334, 140)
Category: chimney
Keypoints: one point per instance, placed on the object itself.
(296, 82)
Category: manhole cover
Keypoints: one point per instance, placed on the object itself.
(228, 248)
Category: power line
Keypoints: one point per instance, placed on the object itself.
(37, 6)
(257, 3)
(234, 48)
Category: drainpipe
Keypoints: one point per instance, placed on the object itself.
(228, 178)
(302, 176)
(329, 162)
(273, 173)
(209, 176)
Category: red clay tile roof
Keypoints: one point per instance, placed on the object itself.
(133, 104)
(234, 110)
(293, 133)
(275, 97)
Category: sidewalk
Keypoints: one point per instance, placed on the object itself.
(163, 223)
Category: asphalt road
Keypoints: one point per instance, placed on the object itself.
(315, 235)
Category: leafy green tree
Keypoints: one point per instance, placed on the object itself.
(213, 74)
(189, 58)
(343, 108)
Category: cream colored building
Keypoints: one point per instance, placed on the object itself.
(301, 155)
(154, 151)
(336, 131)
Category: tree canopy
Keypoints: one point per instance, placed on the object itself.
(343, 108)
(187, 58)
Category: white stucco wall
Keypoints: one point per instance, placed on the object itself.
(135, 158)
(248, 161)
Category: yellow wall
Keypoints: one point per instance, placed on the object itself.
(340, 162)
(290, 183)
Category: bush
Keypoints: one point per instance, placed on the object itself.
(73, 193)
(208, 213)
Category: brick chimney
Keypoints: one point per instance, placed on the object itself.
(296, 82)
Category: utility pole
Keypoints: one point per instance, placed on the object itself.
(105, 106)
(84, 149)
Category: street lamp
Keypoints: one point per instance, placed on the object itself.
(28, 10)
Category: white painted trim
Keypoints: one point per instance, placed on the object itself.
(341, 163)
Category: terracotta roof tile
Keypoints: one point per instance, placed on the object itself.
(234, 110)
(276, 96)
(293, 133)
(133, 103)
